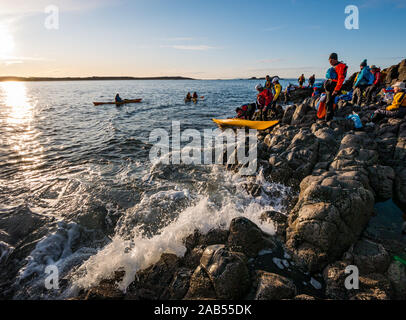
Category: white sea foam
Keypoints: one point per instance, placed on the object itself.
(208, 212)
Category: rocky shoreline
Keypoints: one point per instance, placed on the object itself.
(339, 174)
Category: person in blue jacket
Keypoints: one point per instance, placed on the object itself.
(364, 80)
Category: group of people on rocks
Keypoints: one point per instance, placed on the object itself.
(267, 99)
(367, 84)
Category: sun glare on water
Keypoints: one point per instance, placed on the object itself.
(15, 99)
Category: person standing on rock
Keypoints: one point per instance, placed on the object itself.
(268, 83)
(373, 89)
(312, 80)
(335, 80)
(364, 80)
(301, 80)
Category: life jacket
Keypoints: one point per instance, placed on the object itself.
(377, 77)
(265, 98)
(399, 101)
(339, 74)
(276, 91)
(268, 84)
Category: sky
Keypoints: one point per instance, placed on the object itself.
(205, 39)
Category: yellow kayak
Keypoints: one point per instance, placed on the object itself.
(258, 125)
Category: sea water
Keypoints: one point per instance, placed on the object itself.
(84, 173)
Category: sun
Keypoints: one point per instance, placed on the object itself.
(6, 42)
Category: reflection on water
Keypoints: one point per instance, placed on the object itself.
(16, 100)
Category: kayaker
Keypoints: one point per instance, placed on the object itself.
(376, 86)
(264, 100)
(398, 107)
(188, 97)
(364, 80)
(301, 80)
(195, 96)
(118, 98)
(335, 79)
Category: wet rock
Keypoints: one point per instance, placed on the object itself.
(397, 277)
(272, 286)
(400, 186)
(19, 224)
(192, 257)
(279, 221)
(214, 236)
(179, 286)
(382, 181)
(227, 271)
(153, 281)
(368, 256)
(248, 238)
(200, 286)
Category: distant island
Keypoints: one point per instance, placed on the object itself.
(32, 79)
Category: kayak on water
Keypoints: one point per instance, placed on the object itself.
(118, 103)
(193, 100)
(258, 125)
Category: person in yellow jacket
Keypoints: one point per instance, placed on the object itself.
(277, 89)
(398, 107)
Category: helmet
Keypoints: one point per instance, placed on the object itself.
(259, 87)
(274, 80)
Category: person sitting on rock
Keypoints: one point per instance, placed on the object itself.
(373, 89)
(398, 107)
(335, 80)
(264, 101)
(365, 79)
(301, 80)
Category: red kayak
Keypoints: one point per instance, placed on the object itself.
(118, 103)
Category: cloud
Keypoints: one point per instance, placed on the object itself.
(270, 60)
(274, 28)
(30, 7)
(179, 39)
(190, 47)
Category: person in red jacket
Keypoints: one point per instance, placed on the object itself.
(264, 101)
(334, 84)
(373, 89)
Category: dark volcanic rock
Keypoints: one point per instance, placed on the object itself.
(272, 286)
(247, 238)
(227, 272)
(368, 256)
